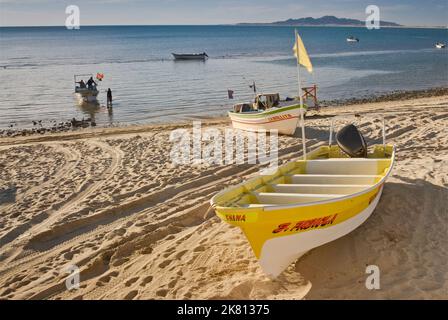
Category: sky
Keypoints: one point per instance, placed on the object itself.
(202, 12)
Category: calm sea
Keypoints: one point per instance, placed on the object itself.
(37, 67)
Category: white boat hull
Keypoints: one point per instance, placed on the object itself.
(86, 98)
(86, 95)
(278, 253)
(284, 121)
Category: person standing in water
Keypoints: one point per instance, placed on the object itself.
(109, 98)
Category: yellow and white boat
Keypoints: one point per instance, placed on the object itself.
(306, 203)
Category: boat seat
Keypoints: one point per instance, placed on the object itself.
(291, 198)
(348, 166)
(320, 188)
(334, 179)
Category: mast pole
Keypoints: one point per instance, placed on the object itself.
(302, 118)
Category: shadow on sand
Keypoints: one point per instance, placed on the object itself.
(404, 228)
(8, 195)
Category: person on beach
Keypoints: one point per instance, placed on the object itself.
(109, 98)
(91, 83)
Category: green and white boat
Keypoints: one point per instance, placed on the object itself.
(268, 112)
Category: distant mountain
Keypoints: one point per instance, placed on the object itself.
(323, 21)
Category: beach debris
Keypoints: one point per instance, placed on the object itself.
(52, 127)
(84, 123)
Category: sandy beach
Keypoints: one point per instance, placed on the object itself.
(110, 201)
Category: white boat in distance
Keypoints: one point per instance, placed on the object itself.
(190, 56)
(440, 45)
(84, 93)
(352, 39)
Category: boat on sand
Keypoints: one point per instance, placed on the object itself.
(267, 112)
(308, 202)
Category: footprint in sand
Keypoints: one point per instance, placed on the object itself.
(180, 254)
(172, 283)
(131, 295)
(187, 295)
(131, 281)
(106, 278)
(199, 249)
(68, 255)
(161, 292)
(119, 262)
(164, 264)
(6, 292)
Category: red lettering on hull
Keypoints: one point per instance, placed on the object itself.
(305, 224)
(235, 217)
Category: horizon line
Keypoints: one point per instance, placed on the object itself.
(239, 24)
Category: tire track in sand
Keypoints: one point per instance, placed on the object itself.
(224, 178)
(116, 156)
(73, 158)
(70, 159)
(47, 218)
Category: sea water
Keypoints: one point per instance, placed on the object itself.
(37, 65)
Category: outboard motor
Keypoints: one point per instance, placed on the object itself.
(351, 141)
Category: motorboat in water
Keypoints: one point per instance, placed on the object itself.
(190, 56)
(440, 45)
(352, 39)
(267, 112)
(310, 201)
(85, 93)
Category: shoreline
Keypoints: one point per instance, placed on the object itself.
(396, 95)
(66, 126)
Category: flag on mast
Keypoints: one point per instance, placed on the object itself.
(302, 56)
(302, 59)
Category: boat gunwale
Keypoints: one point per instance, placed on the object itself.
(265, 112)
(299, 205)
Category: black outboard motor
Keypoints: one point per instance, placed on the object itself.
(351, 141)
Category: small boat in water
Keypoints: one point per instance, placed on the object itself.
(308, 202)
(267, 112)
(190, 56)
(352, 39)
(440, 45)
(85, 93)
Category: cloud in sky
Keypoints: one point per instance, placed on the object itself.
(147, 12)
